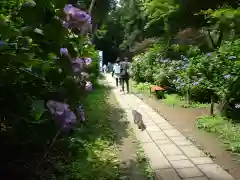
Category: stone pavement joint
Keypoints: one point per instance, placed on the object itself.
(172, 156)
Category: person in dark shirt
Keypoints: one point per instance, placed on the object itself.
(124, 74)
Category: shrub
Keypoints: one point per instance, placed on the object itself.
(45, 57)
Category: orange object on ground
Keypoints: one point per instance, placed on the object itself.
(158, 88)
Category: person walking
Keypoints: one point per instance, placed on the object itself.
(117, 71)
(124, 74)
(104, 68)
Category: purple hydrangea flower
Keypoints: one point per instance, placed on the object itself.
(80, 111)
(56, 108)
(164, 60)
(77, 14)
(3, 44)
(62, 113)
(64, 51)
(88, 61)
(195, 83)
(66, 24)
(184, 58)
(77, 64)
(185, 66)
(227, 76)
(88, 86)
(67, 9)
(55, 58)
(209, 54)
(67, 118)
(178, 79)
(82, 16)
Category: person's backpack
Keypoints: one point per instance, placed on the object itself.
(124, 69)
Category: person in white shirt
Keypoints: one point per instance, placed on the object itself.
(117, 71)
(104, 68)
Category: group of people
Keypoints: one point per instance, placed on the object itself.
(107, 68)
(121, 72)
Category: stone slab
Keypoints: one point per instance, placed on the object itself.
(189, 172)
(201, 160)
(152, 127)
(176, 157)
(170, 150)
(143, 136)
(158, 135)
(167, 174)
(166, 126)
(182, 164)
(163, 142)
(196, 178)
(181, 141)
(215, 172)
(172, 133)
(157, 159)
(192, 151)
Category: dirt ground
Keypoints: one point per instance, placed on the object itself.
(184, 120)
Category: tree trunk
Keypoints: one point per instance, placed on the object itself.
(212, 106)
(188, 96)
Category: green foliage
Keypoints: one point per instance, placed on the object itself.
(228, 132)
(143, 87)
(224, 19)
(173, 100)
(176, 100)
(214, 73)
(197, 49)
(33, 72)
(159, 10)
(95, 155)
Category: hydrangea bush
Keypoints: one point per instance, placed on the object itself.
(214, 74)
(47, 65)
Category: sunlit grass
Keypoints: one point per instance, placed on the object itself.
(228, 132)
(179, 101)
(96, 155)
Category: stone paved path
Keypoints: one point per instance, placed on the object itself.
(172, 155)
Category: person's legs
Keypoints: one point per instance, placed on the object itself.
(122, 83)
(117, 81)
(127, 83)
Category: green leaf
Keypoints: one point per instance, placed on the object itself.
(38, 109)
